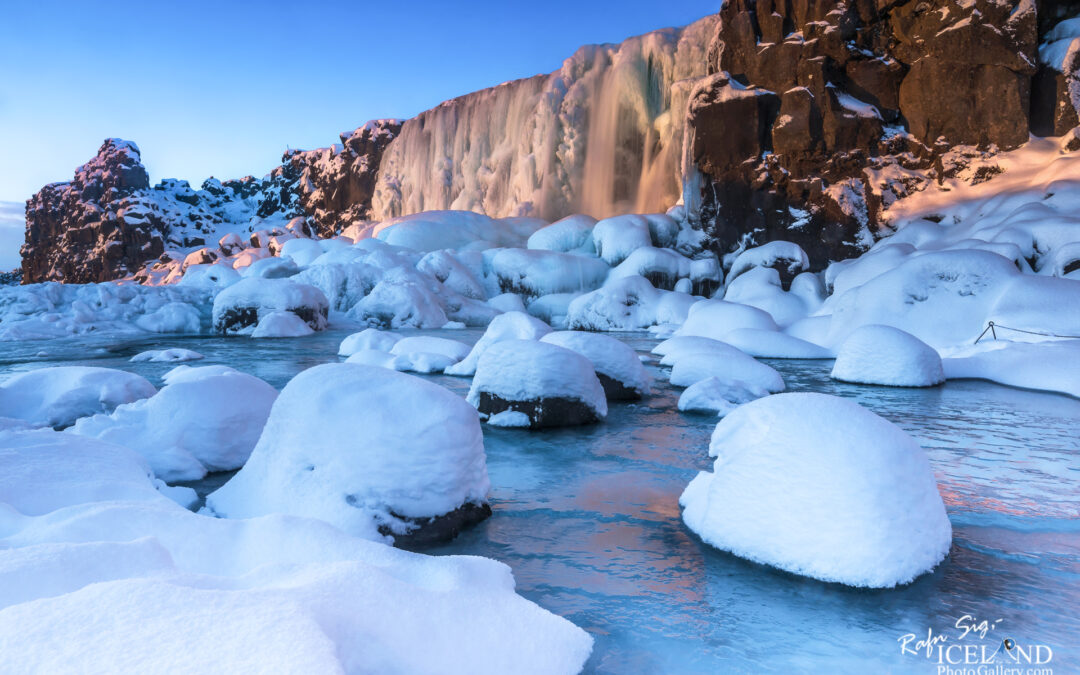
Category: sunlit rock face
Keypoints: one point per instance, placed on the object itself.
(816, 117)
(602, 135)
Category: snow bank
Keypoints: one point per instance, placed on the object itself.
(1047, 366)
(365, 449)
(56, 397)
(508, 326)
(819, 486)
(552, 385)
(240, 307)
(204, 419)
(100, 572)
(875, 354)
(616, 364)
(167, 355)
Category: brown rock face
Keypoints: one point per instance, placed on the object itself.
(872, 94)
(90, 217)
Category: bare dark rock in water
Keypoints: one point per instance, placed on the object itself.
(543, 413)
(615, 390)
(438, 530)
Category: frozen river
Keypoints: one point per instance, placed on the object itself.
(588, 519)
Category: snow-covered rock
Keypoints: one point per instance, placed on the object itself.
(401, 299)
(368, 450)
(173, 355)
(535, 272)
(728, 364)
(281, 325)
(716, 318)
(617, 365)
(369, 338)
(419, 344)
(508, 326)
(876, 354)
(572, 233)
(239, 308)
(627, 303)
(787, 258)
(1053, 365)
(57, 396)
(552, 385)
(718, 396)
(662, 267)
(617, 237)
(819, 486)
(203, 419)
(768, 344)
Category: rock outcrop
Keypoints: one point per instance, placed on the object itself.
(818, 115)
(108, 222)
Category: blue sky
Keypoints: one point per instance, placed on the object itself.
(223, 88)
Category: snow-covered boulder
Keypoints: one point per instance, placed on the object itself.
(239, 308)
(452, 273)
(616, 364)
(535, 273)
(365, 449)
(508, 326)
(761, 287)
(661, 266)
(876, 354)
(572, 233)
(617, 237)
(819, 486)
(730, 365)
(718, 396)
(369, 338)
(281, 325)
(507, 302)
(172, 317)
(787, 258)
(56, 397)
(628, 303)
(716, 318)
(204, 419)
(272, 268)
(426, 344)
(173, 355)
(552, 385)
(401, 299)
(768, 344)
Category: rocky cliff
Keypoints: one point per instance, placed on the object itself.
(108, 222)
(817, 116)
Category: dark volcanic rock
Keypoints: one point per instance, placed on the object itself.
(820, 114)
(438, 530)
(543, 412)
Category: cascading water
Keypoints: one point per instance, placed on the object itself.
(602, 135)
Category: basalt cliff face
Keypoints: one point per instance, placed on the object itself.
(817, 116)
(800, 120)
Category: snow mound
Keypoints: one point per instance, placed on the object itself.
(56, 397)
(716, 318)
(819, 486)
(240, 307)
(452, 349)
(1046, 366)
(508, 326)
(281, 325)
(369, 338)
(174, 355)
(535, 272)
(779, 255)
(616, 365)
(767, 344)
(875, 354)
(365, 449)
(572, 233)
(730, 365)
(204, 419)
(617, 237)
(627, 303)
(714, 395)
(552, 385)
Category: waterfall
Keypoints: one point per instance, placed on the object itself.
(602, 135)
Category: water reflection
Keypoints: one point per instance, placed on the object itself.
(589, 521)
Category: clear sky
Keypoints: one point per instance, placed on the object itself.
(223, 88)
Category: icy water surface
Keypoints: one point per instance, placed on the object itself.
(588, 519)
